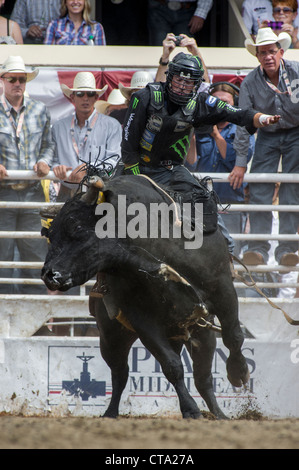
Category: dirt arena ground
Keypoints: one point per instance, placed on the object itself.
(17, 432)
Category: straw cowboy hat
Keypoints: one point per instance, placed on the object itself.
(139, 80)
(266, 36)
(115, 98)
(83, 81)
(15, 64)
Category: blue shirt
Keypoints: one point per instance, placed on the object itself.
(210, 161)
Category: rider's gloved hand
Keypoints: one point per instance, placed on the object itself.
(132, 169)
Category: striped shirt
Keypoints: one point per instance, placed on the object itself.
(202, 8)
(29, 12)
(62, 31)
(35, 139)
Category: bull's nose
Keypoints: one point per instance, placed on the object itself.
(51, 276)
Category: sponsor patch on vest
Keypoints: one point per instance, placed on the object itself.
(211, 101)
(181, 126)
(154, 123)
(145, 145)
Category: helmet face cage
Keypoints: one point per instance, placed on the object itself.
(188, 68)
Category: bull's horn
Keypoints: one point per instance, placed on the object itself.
(97, 182)
(91, 195)
(49, 212)
(95, 185)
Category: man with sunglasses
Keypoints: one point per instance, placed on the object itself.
(84, 136)
(273, 87)
(25, 144)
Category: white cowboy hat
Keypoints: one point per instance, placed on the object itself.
(115, 97)
(83, 81)
(15, 64)
(139, 80)
(267, 36)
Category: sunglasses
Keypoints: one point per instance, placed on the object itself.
(16, 79)
(284, 10)
(90, 94)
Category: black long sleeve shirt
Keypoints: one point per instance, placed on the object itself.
(151, 136)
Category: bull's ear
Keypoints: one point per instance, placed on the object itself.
(49, 212)
(95, 185)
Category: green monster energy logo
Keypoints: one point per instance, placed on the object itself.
(191, 104)
(158, 96)
(135, 103)
(199, 63)
(221, 104)
(181, 146)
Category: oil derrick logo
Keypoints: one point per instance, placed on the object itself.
(85, 388)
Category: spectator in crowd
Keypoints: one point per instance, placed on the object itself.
(115, 106)
(269, 86)
(139, 80)
(84, 136)
(118, 101)
(216, 154)
(254, 12)
(115, 100)
(180, 17)
(169, 45)
(74, 27)
(25, 144)
(284, 13)
(10, 32)
(33, 17)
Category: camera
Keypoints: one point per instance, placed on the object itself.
(178, 40)
(275, 24)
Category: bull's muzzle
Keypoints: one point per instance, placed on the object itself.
(54, 280)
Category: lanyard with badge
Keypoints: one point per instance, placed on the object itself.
(286, 82)
(16, 126)
(89, 129)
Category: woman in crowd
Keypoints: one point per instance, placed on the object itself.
(285, 13)
(74, 27)
(10, 32)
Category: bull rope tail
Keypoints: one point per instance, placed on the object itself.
(178, 222)
(240, 278)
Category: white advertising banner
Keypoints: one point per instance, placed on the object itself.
(65, 376)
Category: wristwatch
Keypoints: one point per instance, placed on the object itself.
(163, 63)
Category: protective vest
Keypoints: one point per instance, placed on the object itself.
(166, 137)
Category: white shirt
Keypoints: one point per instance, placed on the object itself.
(103, 141)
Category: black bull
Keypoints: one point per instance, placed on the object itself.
(162, 290)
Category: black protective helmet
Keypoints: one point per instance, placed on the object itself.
(190, 68)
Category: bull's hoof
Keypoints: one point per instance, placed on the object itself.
(220, 415)
(192, 415)
(110, 414)
(237, 371)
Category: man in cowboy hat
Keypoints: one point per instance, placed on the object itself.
(272, 87)
(115, 106)
(25, 144)
(84, 136)
(139, 80)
